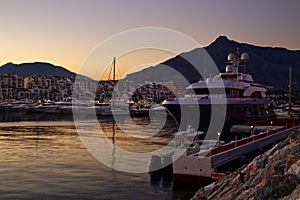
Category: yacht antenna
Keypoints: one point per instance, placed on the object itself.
(237, 56)
(237, 62)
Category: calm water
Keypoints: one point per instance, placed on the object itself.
(45, 159)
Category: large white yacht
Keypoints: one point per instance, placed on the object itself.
(243, 99)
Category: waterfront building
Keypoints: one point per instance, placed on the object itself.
(10, 85)
(56, 88)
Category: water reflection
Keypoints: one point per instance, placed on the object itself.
(127, 140)
(10, 116)
(45, 159)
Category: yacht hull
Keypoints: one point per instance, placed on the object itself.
(217, 117)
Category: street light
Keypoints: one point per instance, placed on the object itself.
(251, 129)
(219, 142)
(271, 125)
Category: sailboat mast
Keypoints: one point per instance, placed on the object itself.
(290, 90)
(114, 70)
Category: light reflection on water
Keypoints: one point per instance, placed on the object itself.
(46, 160)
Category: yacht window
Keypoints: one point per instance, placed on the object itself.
(233, 92)
(256, 95)
(229, 76)
(202, 91)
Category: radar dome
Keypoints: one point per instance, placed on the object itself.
(229, 68)
(245, 56)
(231, 57)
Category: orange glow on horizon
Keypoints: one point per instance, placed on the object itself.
(135, 61)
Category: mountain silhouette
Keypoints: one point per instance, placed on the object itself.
(267, 65)
(38, 68)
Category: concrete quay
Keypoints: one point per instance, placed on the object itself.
(195, 168)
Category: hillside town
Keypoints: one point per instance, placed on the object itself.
(38, 88)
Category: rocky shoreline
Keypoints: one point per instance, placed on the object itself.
(274, 174)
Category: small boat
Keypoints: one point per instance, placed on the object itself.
(158, 109)
(187, 137)
(140, 109)
(16, 106)
(45, 108)
(109, 109)
(189, 141)
(183, 142)
(71, 107)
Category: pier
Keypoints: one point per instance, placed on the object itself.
(202, 165)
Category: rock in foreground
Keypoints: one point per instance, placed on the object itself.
(272, 175)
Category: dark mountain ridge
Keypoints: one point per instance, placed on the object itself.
(267, 65)
(39, 68)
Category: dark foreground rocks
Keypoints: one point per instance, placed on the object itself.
(272, 175)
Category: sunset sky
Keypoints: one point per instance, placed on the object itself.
(64, 32)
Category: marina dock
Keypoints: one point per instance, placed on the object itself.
(202, 165)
